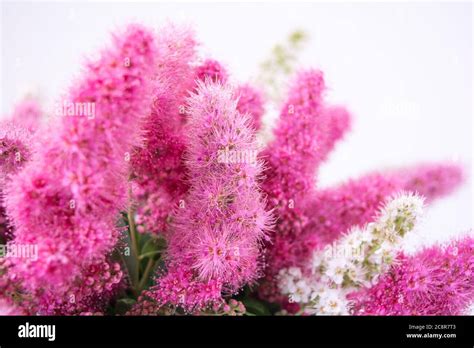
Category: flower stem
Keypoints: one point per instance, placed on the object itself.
(133, 238)
(134, 242)
(146, 273)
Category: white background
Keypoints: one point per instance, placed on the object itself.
(403, 69)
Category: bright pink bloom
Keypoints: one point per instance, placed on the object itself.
(66, 199)
(335, 123)
(292, 159)
(213, 70)
(4, 225)
(89, 293)
(16, 146)
(309, 218)
(155, 212)
(355, 203)
(193, 172)
(173, 72)
(431, 180)
(293, 155)
(11, 292)
(218, 233)
(157, 164)
(333, 211)
(179, 287)
(251, 102)
(436, 281)
(15, 149)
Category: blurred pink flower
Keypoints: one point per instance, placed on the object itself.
(439, 280)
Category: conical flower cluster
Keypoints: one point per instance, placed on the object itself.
(151, 194)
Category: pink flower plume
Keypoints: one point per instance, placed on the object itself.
(251, 102)
(439, 280)
(217, 236)
(354, 203)
(211, 70)
(224, 200)
(66, 199)
(292, 159)
(157, 164)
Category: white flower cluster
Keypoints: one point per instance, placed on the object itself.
(292, 282)
(354, 261)
(304, 290)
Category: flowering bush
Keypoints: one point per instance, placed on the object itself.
(152, 193)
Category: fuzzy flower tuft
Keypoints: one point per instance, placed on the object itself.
(439, 280)
(292, 158)
(431, 180)
(334, 124)
(157, 164)
(89, 293)
(15, 149)
(293, 155)
(213, 70)
(153, 129)
(219, 231)
(178, 288)
(66, 199)
(251, 102)
(336, 209)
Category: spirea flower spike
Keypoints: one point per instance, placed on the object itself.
(151, 191)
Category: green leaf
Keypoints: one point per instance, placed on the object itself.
(152, 247)
(150, 254)
(255, 307)
(130, 260)
(124, 305)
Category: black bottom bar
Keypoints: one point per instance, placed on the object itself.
(291, 331)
